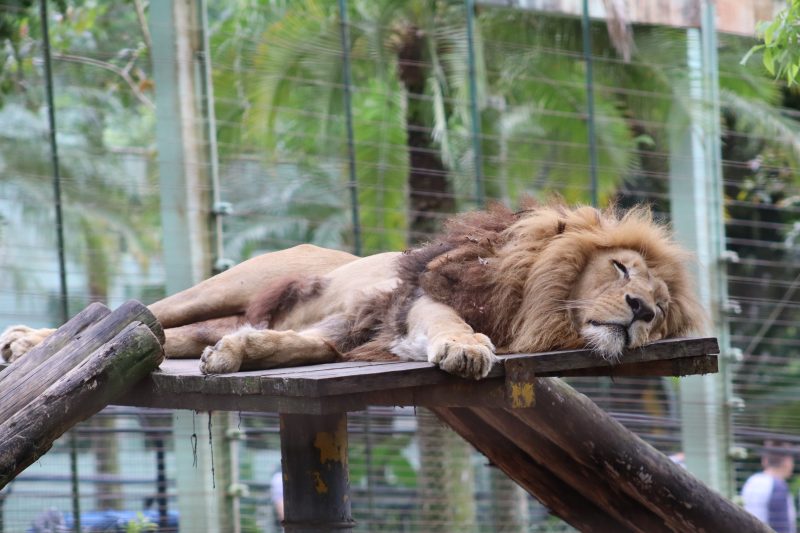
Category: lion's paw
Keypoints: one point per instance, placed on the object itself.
(465, 355)
(16, 341)
(224, 357)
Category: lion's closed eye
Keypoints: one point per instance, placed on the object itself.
(621, 268)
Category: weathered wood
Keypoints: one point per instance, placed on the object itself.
(22, 389)
(595, 440)
(559, 497)
(687, 366)
(460, 393)
(84, 390)
(316, 486)
(562, 361)
(181, 376)
(597, 488)
(63, 335)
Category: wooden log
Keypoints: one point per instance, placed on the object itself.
(595, 440)
(558, 496)
(587, 482)
(86, 389)
(54, 342)
(22, 389)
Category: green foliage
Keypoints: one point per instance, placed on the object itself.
(140, 524)
(781, 47)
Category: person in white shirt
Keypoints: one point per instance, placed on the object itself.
(766, 494)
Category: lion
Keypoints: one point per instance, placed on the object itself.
(497, 281)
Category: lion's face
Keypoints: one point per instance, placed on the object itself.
(619, 303)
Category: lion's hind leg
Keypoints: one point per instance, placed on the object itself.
(260, 349)
(16, 341)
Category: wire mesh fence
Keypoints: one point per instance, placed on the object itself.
(363, 132)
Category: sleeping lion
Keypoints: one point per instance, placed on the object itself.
(496, 281)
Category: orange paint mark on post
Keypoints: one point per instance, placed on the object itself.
(319, 484)
(333, 446)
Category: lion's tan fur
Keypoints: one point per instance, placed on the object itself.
(546, 251)
(516, 277)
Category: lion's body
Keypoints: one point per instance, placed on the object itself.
(546, 278)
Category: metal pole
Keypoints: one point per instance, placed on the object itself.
(62, 266)
(587, 56)
(51, 117)
(219, 209)
(344, 30)
(696, 205)
(480, 195)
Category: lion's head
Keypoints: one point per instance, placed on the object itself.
(552, 277)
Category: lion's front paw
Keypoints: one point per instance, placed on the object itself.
(465, 355)
(224, 357)
(16, 341)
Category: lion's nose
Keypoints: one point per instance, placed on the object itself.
(641, 311)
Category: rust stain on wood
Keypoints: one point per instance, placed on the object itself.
(319, 484)
(522, 394)
(333, 446)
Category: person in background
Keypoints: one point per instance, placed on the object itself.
(276, 494)
(766, 494)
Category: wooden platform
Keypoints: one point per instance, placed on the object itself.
(338, 387)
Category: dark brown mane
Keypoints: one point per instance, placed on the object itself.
(456, 268)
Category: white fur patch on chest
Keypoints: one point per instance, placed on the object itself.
(412, 348)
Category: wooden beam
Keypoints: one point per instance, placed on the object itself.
(534, 476)
(20, 388)
(316, 484)
(593, 439)
(55, 342)
(598, 488)
(78, 393)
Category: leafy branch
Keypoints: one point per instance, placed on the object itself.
(781, 47)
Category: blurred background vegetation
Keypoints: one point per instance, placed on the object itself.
(281, 126)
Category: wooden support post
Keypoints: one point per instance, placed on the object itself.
(316, 483)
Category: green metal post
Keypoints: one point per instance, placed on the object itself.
(347, 80)
(697, 217)
(181, 78)
(181, 158)
(477, 155)
(62, 265)
(586, 26)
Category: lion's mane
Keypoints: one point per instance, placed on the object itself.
(511, 275)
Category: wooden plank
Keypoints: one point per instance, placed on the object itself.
(78, 394)
(343, 378)
(595, 440)
(458, 393)
(579, 359)
(688, 366)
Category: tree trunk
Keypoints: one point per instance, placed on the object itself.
(430, 191)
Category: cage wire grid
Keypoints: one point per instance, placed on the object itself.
(313, 145)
